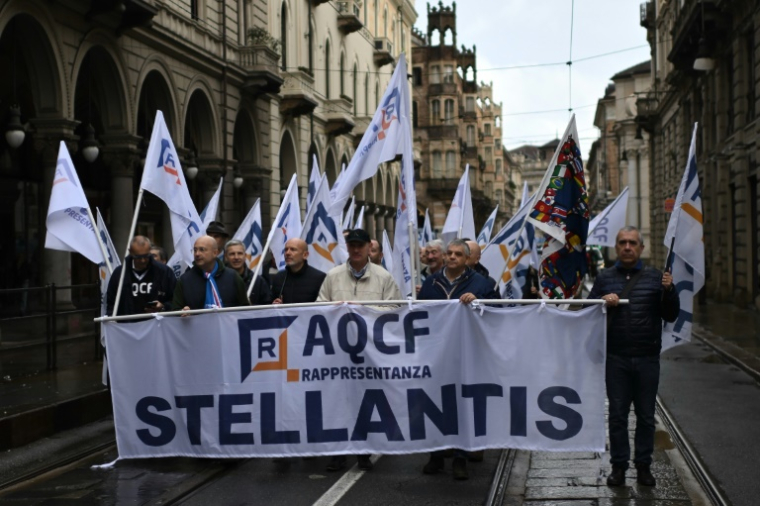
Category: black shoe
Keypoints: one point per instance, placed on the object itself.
(364, 463)
(337, 463)
(434, 465)
(459, 468)
(476, 456)
(644, 476)
(616, 477)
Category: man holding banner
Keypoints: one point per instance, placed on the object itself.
(633, 350)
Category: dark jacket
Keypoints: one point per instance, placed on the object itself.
(635, 329)
(438, 287)
(260, 295)
(297, 287)
(191, 288)
(481, 269)
(162, 284)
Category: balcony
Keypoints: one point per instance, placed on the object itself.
(443, 132)
(262, 73)
(647, 14)
(349, 17)
(339, 116)
(318, 2)
(297, 96)
(123, 15)
(442, 89)
(646, 111)
(442, 188)
(688, 29)
(470, 116)
(383, 51)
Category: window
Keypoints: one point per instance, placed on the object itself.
(498, 167)
(415, 123)
(377, 94)
(327, 68)
(448, 74)
(487, 129)
(435, 74)
(366, 94)
(451, 163)
(471, 136)
(750, 73)
(355, 91)
(385, 23)
(437, 162)
(489, 155)
(283, 36)
(417, 76)
(449, 110)
(489, 189)
(435, 108)
(194, 9)
(469, 104)
(311, 45)
(342, 74)
(403, 38)
(497, 143)
(499, 197)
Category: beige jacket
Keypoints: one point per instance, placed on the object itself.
(341, 285)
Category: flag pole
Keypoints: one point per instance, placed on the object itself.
(100, 243)
(413, 252)
(131, 235)
(263, 257)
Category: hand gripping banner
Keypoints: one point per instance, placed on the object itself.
(347, 379)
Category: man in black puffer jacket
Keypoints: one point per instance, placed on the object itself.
(633, 350)
(455, 281)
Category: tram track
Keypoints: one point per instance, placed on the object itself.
(503, 471)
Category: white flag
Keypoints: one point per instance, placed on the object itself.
(320, 231)
(163, 177)
(287, 223)
(349, 218)
(249, 233)
(104, 275)
(484, 237)
(404, 252)
(314, 180)
(507, 256)
(426, 234)
(685, 233)
(387, 252)
(360, 219)
(69, 224)
(460, 221)
(603, 229)
(382, 140)
(177, 263)
(525, 196)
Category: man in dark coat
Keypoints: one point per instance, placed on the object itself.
(148, 285)
(208, 283)
(455, 281)
(298, 282)
(234, 259)
(634, 332)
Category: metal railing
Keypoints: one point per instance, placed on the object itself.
(37, 320)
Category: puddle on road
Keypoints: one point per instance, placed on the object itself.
(662, 440)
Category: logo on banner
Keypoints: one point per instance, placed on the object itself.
(63, 173)
(252, 245)
(388, 114)
(322, 224)
(168, 163)
(268, 345)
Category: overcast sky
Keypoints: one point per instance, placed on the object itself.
(511, 33)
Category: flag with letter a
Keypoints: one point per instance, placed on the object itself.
(287, 223)
(163, 177)
(685, 235)
(69, 224)
(321, 233)
(249, 233)
(561, 212)
(484, 237)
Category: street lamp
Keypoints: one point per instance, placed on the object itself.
(14, 132)
(192, 168)
(90, 149)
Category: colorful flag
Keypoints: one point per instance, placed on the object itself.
(561, 211)
(249, 233)
(460, 221)
(176, 263)
(508, 254)
(387, 252)
(381, 142)
(69, 224)
(320, 231)
(603, 229)
(163, 177)
(360, 219)
(287, 223)
(685, 235)
(314, 180)
(484, 237)
(426, 234)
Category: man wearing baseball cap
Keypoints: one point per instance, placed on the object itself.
(357, 280)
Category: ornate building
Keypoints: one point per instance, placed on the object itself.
(455, 123)
(250, 90)
(705, 61)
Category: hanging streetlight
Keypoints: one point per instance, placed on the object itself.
(14, 132)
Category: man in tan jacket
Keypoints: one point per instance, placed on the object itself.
(357, 280)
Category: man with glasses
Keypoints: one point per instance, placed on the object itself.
(148, 284)
(634, 339)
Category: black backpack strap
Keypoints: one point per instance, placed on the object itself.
(631, 283)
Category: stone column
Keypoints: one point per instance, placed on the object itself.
(122, 156)
(379, 219)
(389, 220)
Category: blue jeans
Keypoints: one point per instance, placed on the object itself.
(632, 380)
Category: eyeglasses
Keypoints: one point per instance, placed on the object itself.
(142, 257)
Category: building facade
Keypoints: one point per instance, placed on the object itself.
(723, 98)
(250, 90)
(456, 123)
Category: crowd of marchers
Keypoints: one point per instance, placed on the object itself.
(221, 277)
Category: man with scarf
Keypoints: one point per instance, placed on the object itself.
(208, 284)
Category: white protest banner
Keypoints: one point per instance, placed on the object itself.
(603, 229)
(460, 222)
(344, 379)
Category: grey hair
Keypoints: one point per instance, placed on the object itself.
(462, 243)
(631, 228)
(435, 243)
(233, 242)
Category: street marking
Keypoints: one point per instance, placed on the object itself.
(343, 485)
